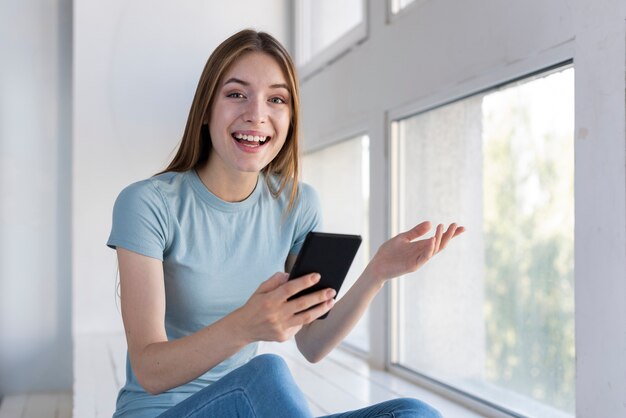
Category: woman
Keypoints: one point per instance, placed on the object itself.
(195, 242)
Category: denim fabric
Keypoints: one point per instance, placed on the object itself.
(264, 387)
(396, 408)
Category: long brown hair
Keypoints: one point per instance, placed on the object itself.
(195, 145)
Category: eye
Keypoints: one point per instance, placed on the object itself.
(236, 95)
(278, 100)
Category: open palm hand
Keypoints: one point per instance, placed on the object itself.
(404, 253)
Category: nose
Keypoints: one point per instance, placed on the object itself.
(256, 111)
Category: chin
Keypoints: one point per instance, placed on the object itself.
(251, 169)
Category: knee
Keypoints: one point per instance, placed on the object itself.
(417, 407)
(268, 376)
(269, 365)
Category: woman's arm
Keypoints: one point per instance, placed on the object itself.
(160, 364)
(398, 256)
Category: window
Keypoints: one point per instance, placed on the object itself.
(325, 29)
(493, 315)
(398, 5)
(340, 174)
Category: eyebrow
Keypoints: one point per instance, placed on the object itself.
(245, 83)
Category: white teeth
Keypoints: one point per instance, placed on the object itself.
(250, 138)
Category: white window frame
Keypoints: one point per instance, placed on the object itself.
(326, 56)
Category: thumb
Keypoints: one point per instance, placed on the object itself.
(273, 282)
(417, 231)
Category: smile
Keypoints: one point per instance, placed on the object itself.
(251, 141)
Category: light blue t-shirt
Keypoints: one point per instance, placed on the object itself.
(215, 254)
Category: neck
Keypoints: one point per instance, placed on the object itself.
(228, 185)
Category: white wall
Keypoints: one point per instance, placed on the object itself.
(136, 66)
(449, 49)
(35, 167)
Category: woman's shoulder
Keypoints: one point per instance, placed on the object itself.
(146, 186)
(305, 192)
(308, 199)
(152, 190)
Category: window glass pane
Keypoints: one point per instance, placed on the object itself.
(493, 315)
(323, 22)
(340, 174)
(398, 5)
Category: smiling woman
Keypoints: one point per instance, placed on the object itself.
(197, 242)
(248, 67)
(249, 123)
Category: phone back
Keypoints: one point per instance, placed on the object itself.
(330, 255)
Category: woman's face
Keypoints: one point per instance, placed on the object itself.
(250, 115)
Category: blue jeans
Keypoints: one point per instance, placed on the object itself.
(264, 387)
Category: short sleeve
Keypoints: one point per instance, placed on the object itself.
(140, 220)
(309, 216)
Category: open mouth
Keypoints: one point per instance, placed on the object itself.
(251, 140)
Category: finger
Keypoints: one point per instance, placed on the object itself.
(273, 282)
(447, 236)
(438, 237)
(294, 286)
(459, 231)
(312, 314)
(305, 302)
(417, 231)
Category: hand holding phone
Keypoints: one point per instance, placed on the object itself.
(330, 255)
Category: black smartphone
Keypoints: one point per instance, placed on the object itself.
(330, 255)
